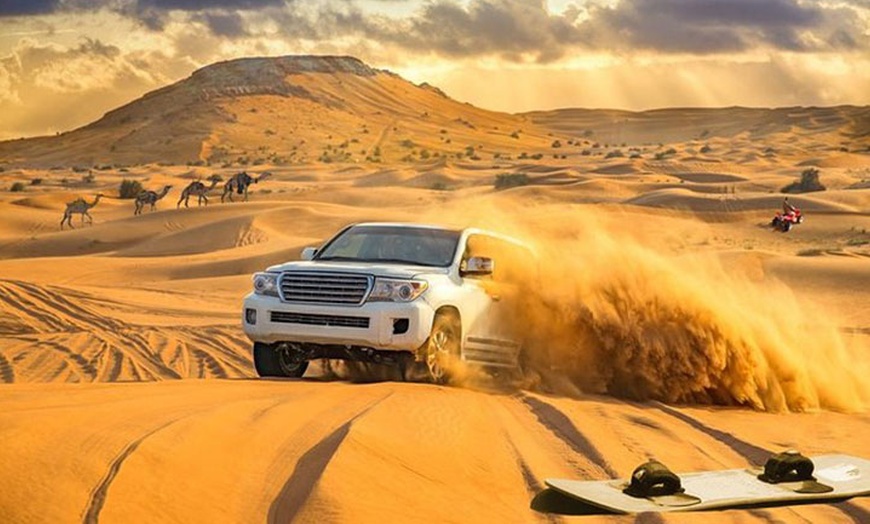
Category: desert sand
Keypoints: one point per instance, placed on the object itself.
(127, 391)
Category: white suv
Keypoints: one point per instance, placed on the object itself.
(400, 294)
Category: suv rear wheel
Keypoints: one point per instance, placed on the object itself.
(278, 361)
(442, 348)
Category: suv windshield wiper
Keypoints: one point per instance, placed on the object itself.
(384, 260)
(397, 261)
(338, 257)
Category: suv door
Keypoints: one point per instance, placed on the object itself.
(492, 336)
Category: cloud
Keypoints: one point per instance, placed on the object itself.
(48, 87)
(725, 26)
(526, 30)
(508, 28)
(27, 7)
(515, 30)
(226, 24)
(222, 16)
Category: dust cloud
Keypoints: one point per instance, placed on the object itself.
(610, 309)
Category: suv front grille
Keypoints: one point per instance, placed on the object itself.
(324, 288)
(319, 320)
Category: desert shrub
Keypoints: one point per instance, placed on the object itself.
(439, 186)
(556, 143)
(36, 182)
(585, 152)
(706, 148)
(424, 154)
(616, 153)
(661, 155)
(407, 143)
(508, 180)
(129, 188)
(216, 177)
(809, 182)
(515, 134)
(89, 178)
(537, 156)
(79, 169)
(17, 187)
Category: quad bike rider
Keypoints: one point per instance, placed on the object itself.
(789, 217)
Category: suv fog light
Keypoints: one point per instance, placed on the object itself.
(400, 326)
(251, 316)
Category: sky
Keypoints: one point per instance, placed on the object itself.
(64, 63)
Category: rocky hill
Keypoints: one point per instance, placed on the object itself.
(281, 110)
(303, 109)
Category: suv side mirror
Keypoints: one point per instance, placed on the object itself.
(308, 253)
(478, 266)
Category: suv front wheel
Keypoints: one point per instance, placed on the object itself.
(441, 354)
(278, 361)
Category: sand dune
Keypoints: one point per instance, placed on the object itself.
(669, 319)
(240, 450)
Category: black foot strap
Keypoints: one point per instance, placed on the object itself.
(653, 479)
(789, 466)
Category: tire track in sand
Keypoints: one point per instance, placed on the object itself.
(65, 314)
(561, 426)
(98, 496)
(309, 468)
(7, 375)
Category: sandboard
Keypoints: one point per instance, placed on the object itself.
(848, 476)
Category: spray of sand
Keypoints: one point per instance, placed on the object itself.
(614, 312)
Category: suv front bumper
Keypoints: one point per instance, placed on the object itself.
(379, 325)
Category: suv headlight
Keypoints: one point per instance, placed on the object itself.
(266, 284)
(395, 290)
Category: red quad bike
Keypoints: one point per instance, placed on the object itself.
(785, 221)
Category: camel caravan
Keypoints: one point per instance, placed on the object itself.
(238, 184)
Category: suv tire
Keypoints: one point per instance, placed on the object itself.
(441, 351)
(276, 361)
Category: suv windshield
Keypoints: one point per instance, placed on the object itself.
(393, 244)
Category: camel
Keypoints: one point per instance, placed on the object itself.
(196, 188)
(239, 183)
(81, 207)
(149, 197)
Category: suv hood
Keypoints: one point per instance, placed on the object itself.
(366, 268)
